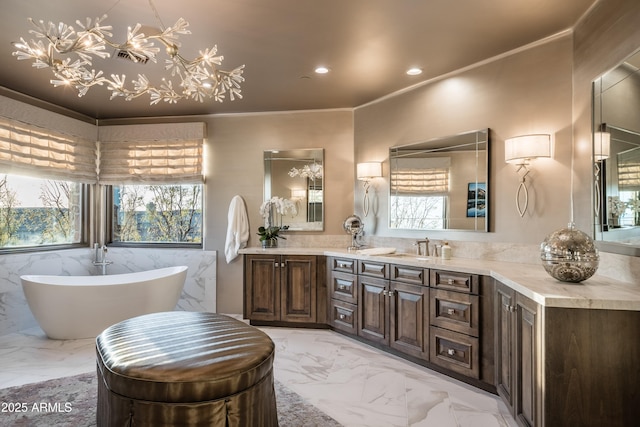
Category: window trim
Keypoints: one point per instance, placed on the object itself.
(109, 226)
(85, 228)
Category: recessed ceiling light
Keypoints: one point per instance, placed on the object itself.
(322, 70)
(414, 71)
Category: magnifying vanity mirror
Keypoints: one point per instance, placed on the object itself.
(441, 184)
(297, 175)
(616, 131)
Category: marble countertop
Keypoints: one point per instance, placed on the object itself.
(531, 280)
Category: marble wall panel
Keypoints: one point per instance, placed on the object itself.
(199, 293)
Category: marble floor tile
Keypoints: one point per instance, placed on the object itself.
(356, 384)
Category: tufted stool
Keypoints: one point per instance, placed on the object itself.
(185, 368)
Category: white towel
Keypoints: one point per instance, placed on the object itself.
(237, 228)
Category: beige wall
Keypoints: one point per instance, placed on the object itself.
(526, 92)
(234, 160)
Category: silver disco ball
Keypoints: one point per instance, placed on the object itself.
(569, 255)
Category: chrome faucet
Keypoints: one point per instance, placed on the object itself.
(419, 243)
(100, 257)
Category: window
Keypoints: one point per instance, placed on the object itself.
(419, 193)
(418, 212)
(157, 214)
(40, 212)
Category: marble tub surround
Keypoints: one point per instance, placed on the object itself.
(530, 280)
(199, 293)
(352, 382)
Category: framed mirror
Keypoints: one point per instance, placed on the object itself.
(616, 158)
(298, 176)
(441, 184)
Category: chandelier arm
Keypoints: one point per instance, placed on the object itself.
(91, 42)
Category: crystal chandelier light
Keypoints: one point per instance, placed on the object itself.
(69, 53)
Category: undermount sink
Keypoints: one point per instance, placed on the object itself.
(410, 256)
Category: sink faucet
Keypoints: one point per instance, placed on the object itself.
(419, 243)
(100, 257)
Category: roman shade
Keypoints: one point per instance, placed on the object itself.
(629, 170)
(420, 176)
(168, 153)
(27, 149)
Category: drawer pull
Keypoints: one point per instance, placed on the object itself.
(509, 308)
(451, 311)
(451, 281)
(451, 352)
(341, 265)
(342, 287)
(342, 317)
(276, 265)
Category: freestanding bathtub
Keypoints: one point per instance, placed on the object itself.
(72, 307)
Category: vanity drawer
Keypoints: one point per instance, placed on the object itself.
(344, 316)
(454, 281)
(455, 311)
(373, 269)
(346, 265)
(455, 351)
(406, 274)
(344, 287)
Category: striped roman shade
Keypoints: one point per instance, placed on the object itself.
(26, 149)
(413, 176)
(151, 154)
(629, 170)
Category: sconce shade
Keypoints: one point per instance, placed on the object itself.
(298, 193)
(519, 149)
(368, 170)
(601, 145)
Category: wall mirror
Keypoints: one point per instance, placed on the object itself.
(616, 158)
(297, 175)
(441, 184)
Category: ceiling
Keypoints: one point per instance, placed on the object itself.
(367, 45)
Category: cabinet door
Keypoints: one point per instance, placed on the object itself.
(262, 287)
(527, 398)
(409, 314)
(505, 342)
(373, 321)
(298, 290)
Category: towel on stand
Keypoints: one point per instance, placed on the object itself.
(237, 228)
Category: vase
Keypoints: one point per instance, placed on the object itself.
(269, 243)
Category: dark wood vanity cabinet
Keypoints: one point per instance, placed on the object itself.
(560, 366)
(393, 307)
(456, 331)
(284, 288)
(518, 354)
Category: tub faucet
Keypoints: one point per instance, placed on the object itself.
(419, 243)
(100, 257)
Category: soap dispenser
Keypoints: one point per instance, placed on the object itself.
(446, 250)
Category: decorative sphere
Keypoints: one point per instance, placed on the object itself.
(569, 255)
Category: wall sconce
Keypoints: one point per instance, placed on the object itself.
(366, 172)
(298, 193)
(601, 146)
(601, 151)
(520, 150)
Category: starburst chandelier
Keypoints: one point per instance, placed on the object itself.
(69, 54)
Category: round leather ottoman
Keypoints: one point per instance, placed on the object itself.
(185, 369)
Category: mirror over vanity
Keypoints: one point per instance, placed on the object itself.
(297, 175)
(441, 184)
(616, 132)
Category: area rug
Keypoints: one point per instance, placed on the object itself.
(71, 401)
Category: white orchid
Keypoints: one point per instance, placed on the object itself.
(281, 206)
(616, 206)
